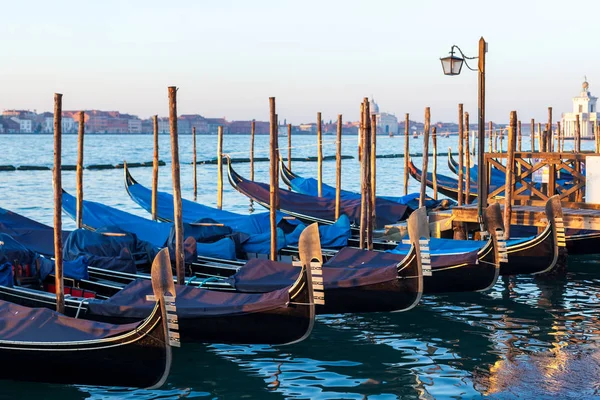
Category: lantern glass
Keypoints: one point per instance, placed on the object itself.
(452, 65)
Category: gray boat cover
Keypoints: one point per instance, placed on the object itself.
(24, 324)
(349, 268)
(192, 302)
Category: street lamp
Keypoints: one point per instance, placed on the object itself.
(452, 65)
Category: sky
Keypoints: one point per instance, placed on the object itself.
(227, 57)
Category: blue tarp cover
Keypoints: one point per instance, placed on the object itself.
(258, 223)
(309, 186)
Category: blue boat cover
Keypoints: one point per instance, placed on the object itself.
(24, 324)
(451, 246)
(224, 249)
(309, 186)
(33, 235)
(349, 268)
(335, 236)
(192, 212)
(152, 233)
(191, 302)
(322, 208)
(115, 253)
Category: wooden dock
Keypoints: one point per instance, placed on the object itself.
(574, 218)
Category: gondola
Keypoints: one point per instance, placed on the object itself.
(41, 345)
(395, 285)
(309, 186)
(579, 241)
(354, 280)
(445, 185)
(535, 254)
(316, 209)
(474, 268)
(256, 225)
(279, 317)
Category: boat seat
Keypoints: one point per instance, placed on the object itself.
(72, 291)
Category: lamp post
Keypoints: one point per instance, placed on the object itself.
(452, 65)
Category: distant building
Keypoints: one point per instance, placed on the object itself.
(25, 125)
(134, 125)
(584, 105)
(9, 126)
(386, 123)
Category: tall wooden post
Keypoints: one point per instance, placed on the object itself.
(498, 133)
(519, 148)
(510, 173)
(319, 156)
(425, 157)
(560, 144)
(80, 133)
(491, 130)
(289, 148)
(57, 186)
(220, 167)
(363, 194)
(338, 167)
(273, 187)
(577, 134)
(365, 219)
(519, 136)
(482, 172)
(406, 152)
(367, 167)
(532, 133)
(434, 169)
(461, 157)
(596, 137)
(155, 167)
(549, 139)
(539, 135)
(373, 177)
(195, 172)
(468, 160)
(252, 129)
(177, 218)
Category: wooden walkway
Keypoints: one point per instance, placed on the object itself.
(529, 216)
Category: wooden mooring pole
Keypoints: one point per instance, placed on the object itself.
(560, 145)
(491, 130)
(406, 152)
(274, 182)
(510, 173)
(220, 167)
(461, 157)
(252, 128)
(338, 167)
(368, 191)
(319, 156)
(361, 158)
(177, 218)
(468, 162)
(425, 157)
(532, 135)
(194, 169)
(549, 138)
(519, 136)
(155, 168)
(434, 169)
(373, 176)
(79, 188)
(57, 186)
(289, 149)
(596, 137)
